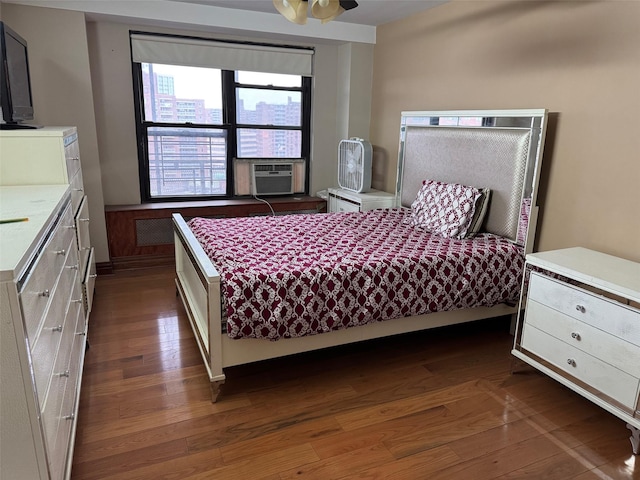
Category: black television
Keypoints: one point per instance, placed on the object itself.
(15, 85)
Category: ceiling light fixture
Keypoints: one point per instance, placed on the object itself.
(324, 10)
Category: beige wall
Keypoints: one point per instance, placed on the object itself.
(63, 93)
(580, 60)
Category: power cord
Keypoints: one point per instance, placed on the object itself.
(264, 201)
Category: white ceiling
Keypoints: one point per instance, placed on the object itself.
(368, 12)
(248, 18)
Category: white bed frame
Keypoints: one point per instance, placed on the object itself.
(502, 153)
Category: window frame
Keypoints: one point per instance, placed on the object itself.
(229, 123)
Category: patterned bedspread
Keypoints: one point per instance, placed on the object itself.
(294, 275)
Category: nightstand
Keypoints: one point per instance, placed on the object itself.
(579, 323)
(341, 200)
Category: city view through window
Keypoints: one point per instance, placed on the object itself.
(187, 136)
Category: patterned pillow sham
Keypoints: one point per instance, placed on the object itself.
(449, 209)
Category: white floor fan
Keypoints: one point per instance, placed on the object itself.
(354, 165)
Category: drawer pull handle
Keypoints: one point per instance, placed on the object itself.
(571, 362)
(72, 227)
(72, 267)
(45, 293)
(64, 374)
(78, 190)
(580, 308)
(81, 333)
(83, 219)
(93, 275)
(61, 252)
(76, 159)
(575, 335)
(76, 301)
(57, 328)
(69, 417)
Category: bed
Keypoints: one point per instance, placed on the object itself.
(264, 287)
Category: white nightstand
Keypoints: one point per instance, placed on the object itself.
(579, 323)
(341, 200)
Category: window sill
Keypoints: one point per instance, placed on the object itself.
(296, 200)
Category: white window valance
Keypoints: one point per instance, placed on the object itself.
(223, 55)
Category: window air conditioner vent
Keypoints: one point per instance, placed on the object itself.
(271, 178)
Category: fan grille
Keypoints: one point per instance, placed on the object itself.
(354, 165)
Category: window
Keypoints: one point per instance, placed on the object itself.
(194, 121)
(269, 115)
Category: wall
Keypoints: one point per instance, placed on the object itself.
(63, 94)
(580, 60)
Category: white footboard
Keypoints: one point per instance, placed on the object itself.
(198, 284)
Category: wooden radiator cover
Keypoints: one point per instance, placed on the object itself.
(142, 235)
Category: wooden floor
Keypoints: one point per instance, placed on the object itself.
(438, 405)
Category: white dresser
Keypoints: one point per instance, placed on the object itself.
(47, 156)
(580, 324)
(341, 200)
(42, 332)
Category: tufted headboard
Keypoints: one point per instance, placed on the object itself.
(500, 150)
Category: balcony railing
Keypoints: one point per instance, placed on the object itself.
(187, 161)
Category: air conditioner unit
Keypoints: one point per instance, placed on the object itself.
(271, 178)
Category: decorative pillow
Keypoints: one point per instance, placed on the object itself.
(446, 209)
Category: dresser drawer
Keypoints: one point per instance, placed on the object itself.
(342, 205)
(72, 155)
(612, 350)
(64, 383)
(599, 312)
(38, 288)
(77, 190)
(52, 408)
(61, 413)
(609, 380)
(48, 341)
(82, 227)
(77, 351)
(89, 282)
(53, 424)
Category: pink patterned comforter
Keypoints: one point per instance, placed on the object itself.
(295, 275)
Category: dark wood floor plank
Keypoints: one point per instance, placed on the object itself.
(421, 465)
(93, 448)
(501, 462)
(377, 433)
(485, 443)
(406, 406)
(339, 466)
(123, 462)
(454, 428)
(307, 432)
(130, 425)
(262, 467)
(557, 467)
(173, 468)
